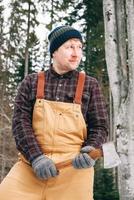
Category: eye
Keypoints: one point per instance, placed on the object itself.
(71, 46)
(68, 46)
(81, 47)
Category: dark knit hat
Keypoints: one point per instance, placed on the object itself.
(60, 35)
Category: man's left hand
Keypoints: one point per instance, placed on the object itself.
(83, 160)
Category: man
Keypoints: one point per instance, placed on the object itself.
(59, 114)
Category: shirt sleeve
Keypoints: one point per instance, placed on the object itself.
(22, 129)
(97, 118)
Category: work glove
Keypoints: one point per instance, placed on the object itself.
(83, 160)
(44, 167)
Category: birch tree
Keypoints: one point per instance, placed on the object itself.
(119, 50)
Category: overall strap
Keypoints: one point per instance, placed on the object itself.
(79, 90)
(40, 85)
(80, 87)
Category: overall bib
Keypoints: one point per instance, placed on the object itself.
(60, 130)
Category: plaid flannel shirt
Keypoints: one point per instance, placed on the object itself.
(58, 88)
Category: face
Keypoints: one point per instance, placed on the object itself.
(68, 56)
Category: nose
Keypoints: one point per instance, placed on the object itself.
(75, 52)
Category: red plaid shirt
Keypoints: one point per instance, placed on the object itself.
(58, 88)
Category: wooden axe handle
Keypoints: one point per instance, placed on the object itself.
(94, 154)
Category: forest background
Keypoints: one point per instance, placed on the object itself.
(24, 26)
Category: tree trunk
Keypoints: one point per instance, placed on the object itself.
(112, 57)
(122, 85)
(130, 32)
(27, 40)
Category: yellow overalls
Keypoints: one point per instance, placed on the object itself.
(60, 130)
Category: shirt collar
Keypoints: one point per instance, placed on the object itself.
(54, 74)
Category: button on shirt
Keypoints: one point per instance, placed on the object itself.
(60, 85)
(58, 88)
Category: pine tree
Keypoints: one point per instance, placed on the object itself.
(23, 39)
(89, 16)
(105, 187)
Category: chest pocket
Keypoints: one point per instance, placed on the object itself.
(71, 123)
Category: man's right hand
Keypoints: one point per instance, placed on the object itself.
(44, 167)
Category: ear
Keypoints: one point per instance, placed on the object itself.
(54, 54)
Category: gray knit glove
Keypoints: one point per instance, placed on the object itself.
(44, 167)
(83, 160)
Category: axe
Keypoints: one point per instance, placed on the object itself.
(108, 152)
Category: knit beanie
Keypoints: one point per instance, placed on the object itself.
(60, 35)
